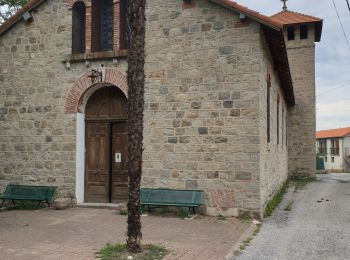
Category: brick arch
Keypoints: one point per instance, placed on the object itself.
(111, 77)
(70, 3)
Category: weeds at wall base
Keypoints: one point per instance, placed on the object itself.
(276, 199)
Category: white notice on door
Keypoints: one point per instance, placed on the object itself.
(118, 157)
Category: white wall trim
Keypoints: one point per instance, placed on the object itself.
(80, 158)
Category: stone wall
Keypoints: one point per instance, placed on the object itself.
(302, 117)
(202, 104)
(205, 125)
(37, 137)
(273, 154)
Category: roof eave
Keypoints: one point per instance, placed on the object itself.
(276, 42)
(262, 19)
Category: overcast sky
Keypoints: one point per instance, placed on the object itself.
(332, 56)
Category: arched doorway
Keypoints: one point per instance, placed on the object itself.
(106, 173)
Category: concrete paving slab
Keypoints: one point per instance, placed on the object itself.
(78, 233)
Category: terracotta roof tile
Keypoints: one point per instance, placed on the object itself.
(340, 132)
(289, 17)
(250, 13)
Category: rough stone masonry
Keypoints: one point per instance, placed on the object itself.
(208, 74)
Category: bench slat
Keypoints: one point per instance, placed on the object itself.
(168, 197)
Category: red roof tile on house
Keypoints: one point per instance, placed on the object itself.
(332, 133)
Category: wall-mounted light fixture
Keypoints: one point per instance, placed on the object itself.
(242, 16)
(95, 76)
(27, 17)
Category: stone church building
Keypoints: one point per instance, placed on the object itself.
(229, 100)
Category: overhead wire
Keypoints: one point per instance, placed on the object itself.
(346, 84)
(341, 24)
(347, 2)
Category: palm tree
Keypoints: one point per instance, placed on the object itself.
(136, 80)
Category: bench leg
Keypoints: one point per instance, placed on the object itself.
(192, 209)
(2, 204)
(13, 202)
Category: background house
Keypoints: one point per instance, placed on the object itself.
(334, 147)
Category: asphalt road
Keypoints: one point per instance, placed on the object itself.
(314, 229)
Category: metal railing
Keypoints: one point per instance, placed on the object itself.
(322, 150)
(334, 151)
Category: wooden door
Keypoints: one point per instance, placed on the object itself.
(106, 134)
(97, 162)
(119, 166)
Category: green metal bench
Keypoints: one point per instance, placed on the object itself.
(26, 192)
(172, 198)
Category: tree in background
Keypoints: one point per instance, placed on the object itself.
(9, 7)
(136, 80)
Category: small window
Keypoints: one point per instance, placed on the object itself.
(268, 134)
(102, 25)
(303, 31)
(282, 125)
(291, 33)
(332, 159)
(278, 119)
(123, 29)
(78, 28)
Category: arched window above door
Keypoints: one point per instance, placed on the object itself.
(107, 102)
(78, 27)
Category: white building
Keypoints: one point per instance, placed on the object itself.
(334, 146)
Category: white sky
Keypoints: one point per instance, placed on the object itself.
(332, 56)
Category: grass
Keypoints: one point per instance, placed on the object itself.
(257, 230)
(288, 207)
(273, 203)
(300, 183)
(221, 217)
(245, 218)
(183, 214)
(123, 212)
(120, 252)
(247, 241)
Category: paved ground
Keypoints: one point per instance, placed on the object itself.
(76, 234)
(314, 229)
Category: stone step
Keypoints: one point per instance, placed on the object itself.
(115, 206)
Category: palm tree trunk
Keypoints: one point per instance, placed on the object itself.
(136, 81)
